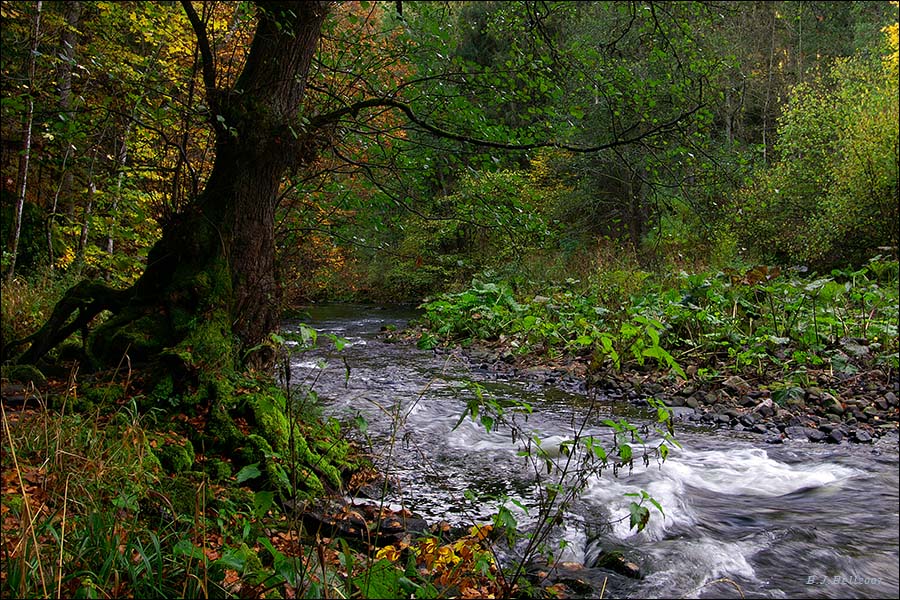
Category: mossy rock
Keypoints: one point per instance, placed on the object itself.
(175, 455)
(218, 470)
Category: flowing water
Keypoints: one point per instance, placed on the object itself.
(792, 520)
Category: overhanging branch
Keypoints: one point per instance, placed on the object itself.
(406, 109)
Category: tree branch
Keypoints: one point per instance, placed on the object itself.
(406, 109)
(209, 71)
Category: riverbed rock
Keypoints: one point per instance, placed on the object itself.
(835, 436)
(766, 408)
(831, 405)
(617, 563)
(815, 435)
(736, 384)
(861, 436)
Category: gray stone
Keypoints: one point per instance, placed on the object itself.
(835, 436)
(814, 435)
(796, 433)
(831, 404)
(765, 408)
(682, 412)
(862, 436)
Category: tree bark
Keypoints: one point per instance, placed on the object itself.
(254, 149)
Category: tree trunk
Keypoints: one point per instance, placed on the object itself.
(208, 297)
(254, 149)
(67, 41)
(26, 151)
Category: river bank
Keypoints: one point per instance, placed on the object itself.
(831, 408)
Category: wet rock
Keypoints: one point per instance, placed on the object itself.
(748, 401)
(861, 436)
(682, 413)
(364, 523)
(616, 562)
(805, 433)
(815, 435)
(774, 440)
(891, 398)
(759, 428)
(766, 408)
(835, 437)
(692, 402)
(828, 427)
(796, 433)
(747, 420)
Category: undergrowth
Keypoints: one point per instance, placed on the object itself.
(756, 318)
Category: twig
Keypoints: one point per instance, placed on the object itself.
(62, 540)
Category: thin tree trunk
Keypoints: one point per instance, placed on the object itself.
(68, 41)
(765, 125)
(26, 153)
(121, 159)
(52, 215)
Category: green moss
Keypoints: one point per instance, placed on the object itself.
(164, 389)
(182, 491)
(24, 374)
(271, 422)
(92, 396)
(221, 430)
(218, 470)
(141, 337)
(176, 456)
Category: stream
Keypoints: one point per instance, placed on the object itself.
(777, 521)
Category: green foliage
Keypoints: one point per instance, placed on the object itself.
(489, 221)
(564, 321)
(832, 198)
(756, 317)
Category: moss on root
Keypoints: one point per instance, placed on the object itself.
(175, 454)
